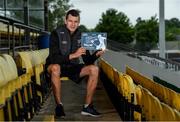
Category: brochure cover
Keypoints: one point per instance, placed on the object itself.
(94, 40)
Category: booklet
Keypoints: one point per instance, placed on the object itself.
(94, 40)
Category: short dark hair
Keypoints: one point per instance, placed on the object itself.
(73, 12)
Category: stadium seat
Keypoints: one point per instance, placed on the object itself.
(127, 88)
(7, 87)
(37, 65)
(107, 69)
(168, 113)
(23, 62)
(116, 77)
(155, 114)
(44, 54)
(146, 104)
(2, 96)
(138, 92)
(109, 72)
(24, 89)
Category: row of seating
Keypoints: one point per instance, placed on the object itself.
(155, 110)
(125, 87)
(13, 88)
(21, 86)
(33, 63)
(163, 93)
(135, 93)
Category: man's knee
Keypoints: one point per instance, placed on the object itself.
(94, 70)
(55, 69)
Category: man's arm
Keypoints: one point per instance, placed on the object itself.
(80, 51)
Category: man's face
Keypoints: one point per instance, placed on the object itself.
(72, 23)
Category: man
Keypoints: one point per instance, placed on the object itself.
(63, 60)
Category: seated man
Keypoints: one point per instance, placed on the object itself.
(63, 59)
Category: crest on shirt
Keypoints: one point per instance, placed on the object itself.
(64, 42)
(62, 32)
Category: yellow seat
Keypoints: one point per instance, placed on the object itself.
(156, 114)
(44, 54)
(174, 99)
(64, 78)
(120, 84)
(177, 115)
(116, 77)
(2, 96)
(23, 85)
(23, 61)
(7, 76)
(168, 113)
(109, 73)
(154, 110)
(38, 70)
(18, 84)
(138, 92)
(7, 87)
(107, 69)
(11, 66)
(146, 104)
(126, 87)
(103, 64)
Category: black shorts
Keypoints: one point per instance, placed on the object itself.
(71, 71)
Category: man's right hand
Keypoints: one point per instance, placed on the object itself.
(80, 51)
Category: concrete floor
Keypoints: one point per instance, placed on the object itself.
(73, 96)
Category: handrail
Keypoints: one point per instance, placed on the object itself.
(4, 21)
(17, 21)
(26, 26)
(31, 27)
(46, 32)
(20, 47)
(4, 48)
(10, 19)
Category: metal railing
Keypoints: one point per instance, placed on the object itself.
(16, 36)
(7, 48)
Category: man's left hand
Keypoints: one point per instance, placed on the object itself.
(99, 53)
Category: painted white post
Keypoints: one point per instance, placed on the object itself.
(161, 30)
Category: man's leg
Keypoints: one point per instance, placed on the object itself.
(93, 72)
(54, 71)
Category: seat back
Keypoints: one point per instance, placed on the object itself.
(12, 65)
(35, 58)
(126, 87)
(7, 73)
(23, 61)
